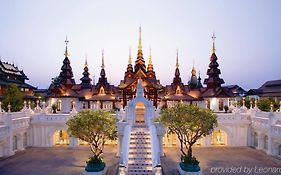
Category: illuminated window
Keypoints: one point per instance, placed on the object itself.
(22, 89)
(220, 104)
(71, 104)
(178, 90)
(219, 138)
(59, 105)
(61, 138)
(102, 90)
(26, 89)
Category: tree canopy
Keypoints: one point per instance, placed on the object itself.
(14, 97)
(189, 123)
(94, 128)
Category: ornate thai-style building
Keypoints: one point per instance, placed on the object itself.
(65, 92)
(10, 74)
(139, 97)
(151, 84)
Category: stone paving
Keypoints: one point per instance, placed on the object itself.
(54, 161)
(214, 160)
(68, 161)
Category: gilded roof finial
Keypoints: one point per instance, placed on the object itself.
(102, 61)
(86, 62)
(150, 56)
(130, 56)
(177, 59)
(140, 45)
(214, 39)
(66, 43)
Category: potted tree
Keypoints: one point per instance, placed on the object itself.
(226, 108)
(189, 123)
(94, 128)
(54, 108)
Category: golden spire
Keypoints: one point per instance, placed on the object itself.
(86, 62)
(150, 57)
(102, 61)
(177, 59)
(140, 45)
(130, 57)
(66, 43)
(213, 38)
(193, 71)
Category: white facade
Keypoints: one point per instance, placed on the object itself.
(40, 128)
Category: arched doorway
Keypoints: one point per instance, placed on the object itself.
(15, 143)
(255, 140)
(61, 138)
(265, 142)
(140, 111)
(219, 137)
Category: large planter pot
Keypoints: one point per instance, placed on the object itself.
(188, 169)
(95, 167)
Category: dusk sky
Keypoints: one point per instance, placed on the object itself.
(32, 35)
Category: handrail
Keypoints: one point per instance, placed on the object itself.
(126, 145)
(154, 146)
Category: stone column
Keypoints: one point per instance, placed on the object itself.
(270, 146)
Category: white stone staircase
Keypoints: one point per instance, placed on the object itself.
(140, 159)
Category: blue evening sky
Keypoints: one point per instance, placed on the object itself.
(248, 32)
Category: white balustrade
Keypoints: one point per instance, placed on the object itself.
(155, 152)
(125, 146)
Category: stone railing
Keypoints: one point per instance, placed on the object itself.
(125, 146)
(233, 118)
(276, 131)
(51, 118)
(261, 123)
(154, 146)
(3, 131)
(20, 123)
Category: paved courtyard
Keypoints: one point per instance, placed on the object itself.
(67, 161)
(215, 160)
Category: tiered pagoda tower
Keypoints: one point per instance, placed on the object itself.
(66, 75)
(152, 86)
(86, 80)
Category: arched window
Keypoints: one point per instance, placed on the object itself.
(15, 143)
(102, 90)
(59, 105)
(255, 139)
(178, 90)
(265, 142)
(25, 140)
(61, 138)
(219, 137)
(72, 104)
